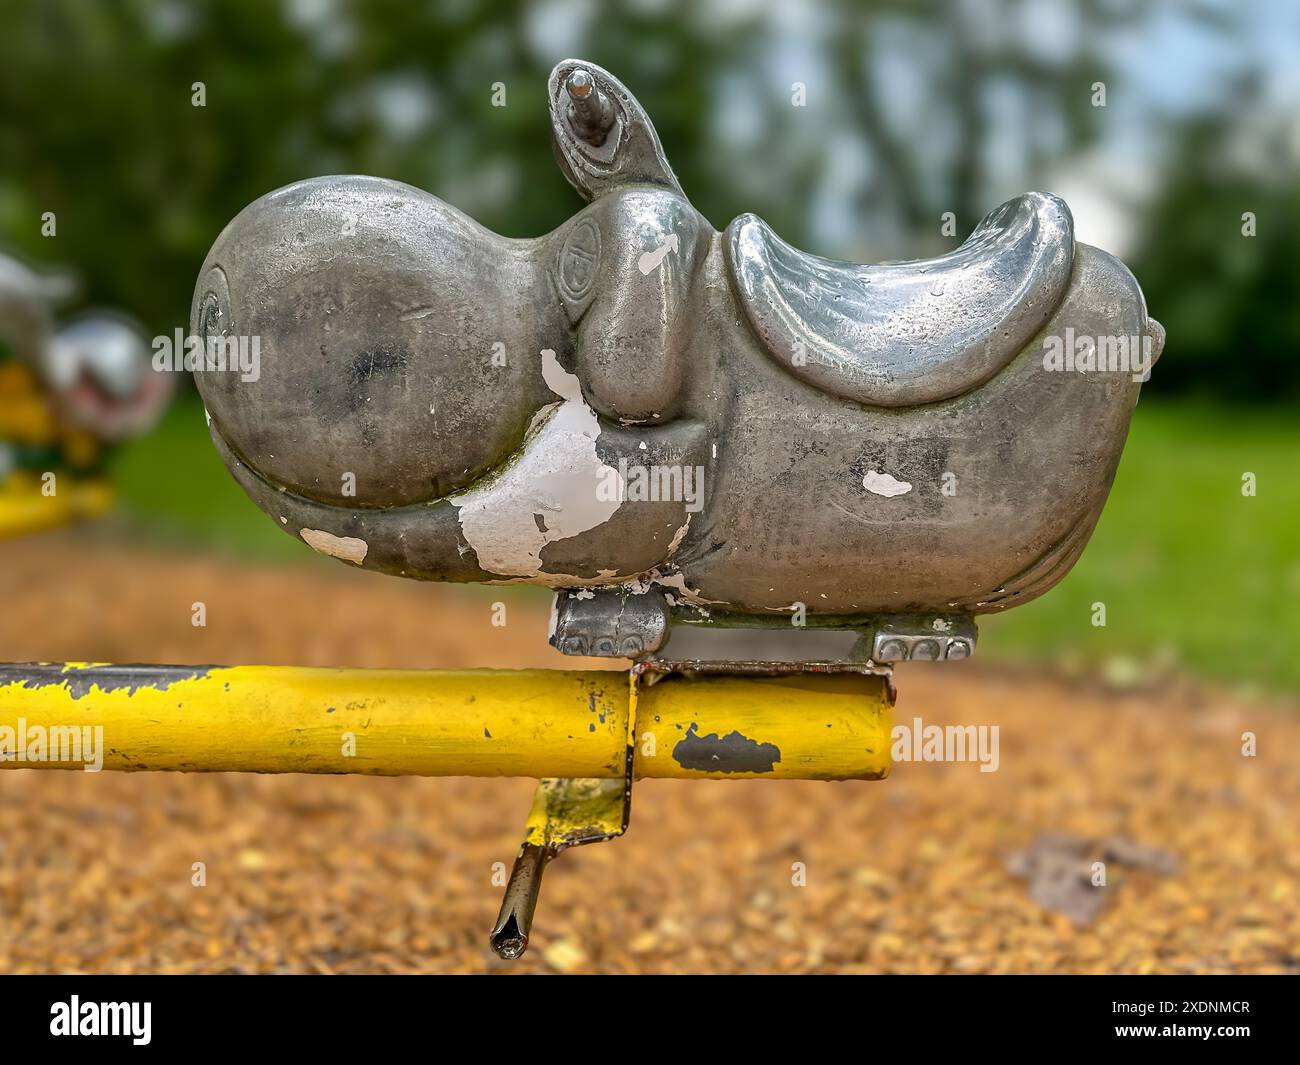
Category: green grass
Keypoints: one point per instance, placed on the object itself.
(174, 489)
(1191, 572)
(1189, 569)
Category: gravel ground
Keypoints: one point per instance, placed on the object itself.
(941, 868)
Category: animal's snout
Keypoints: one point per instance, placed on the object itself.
(390, 366)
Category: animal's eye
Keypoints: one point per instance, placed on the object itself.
(211, 322)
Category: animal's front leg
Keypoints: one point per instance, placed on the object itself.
(609, 622)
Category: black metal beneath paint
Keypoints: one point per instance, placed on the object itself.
(732, 753)
(79, 680)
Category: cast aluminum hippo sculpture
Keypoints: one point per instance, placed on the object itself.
(664, 422)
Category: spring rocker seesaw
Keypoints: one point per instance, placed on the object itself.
(68, 396)
(667, 425)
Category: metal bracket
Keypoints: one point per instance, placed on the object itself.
(617, 623)
(566, 813)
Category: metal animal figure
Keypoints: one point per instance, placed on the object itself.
(664, 422)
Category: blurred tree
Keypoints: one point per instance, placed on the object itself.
(909, 109)
(1219, 262)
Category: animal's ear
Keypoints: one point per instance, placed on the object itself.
(603, 138)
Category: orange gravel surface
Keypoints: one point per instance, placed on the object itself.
(930, 871)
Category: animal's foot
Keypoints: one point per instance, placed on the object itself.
(922, 638)
(609, 623)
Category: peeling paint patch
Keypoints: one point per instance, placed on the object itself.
(732, 753)
(557, 475)
(689, 596)
(79, 680)
(677, 581)
(882, 484)
(678, 537)
(650, 261)
(348, 548)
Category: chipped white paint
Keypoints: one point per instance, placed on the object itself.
(678, 537)
(284, 520)
(677, 581)
(650, 261)
(584, 593)
(882, 484)
(547, 492)
(348, 548)
(941, 625)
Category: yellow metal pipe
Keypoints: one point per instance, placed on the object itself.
(26, 416)
(804, 726)
(25, 508)
(532, 723)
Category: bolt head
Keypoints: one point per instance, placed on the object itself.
(890, 651)
(925, 650)
(580, 84)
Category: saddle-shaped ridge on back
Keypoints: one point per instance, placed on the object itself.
(907, 333)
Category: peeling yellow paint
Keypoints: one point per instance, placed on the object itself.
(530, 723)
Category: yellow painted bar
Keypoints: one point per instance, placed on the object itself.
(275, 719)
(532, 723)
(26, 416)
(25, 509)
(805, 726)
